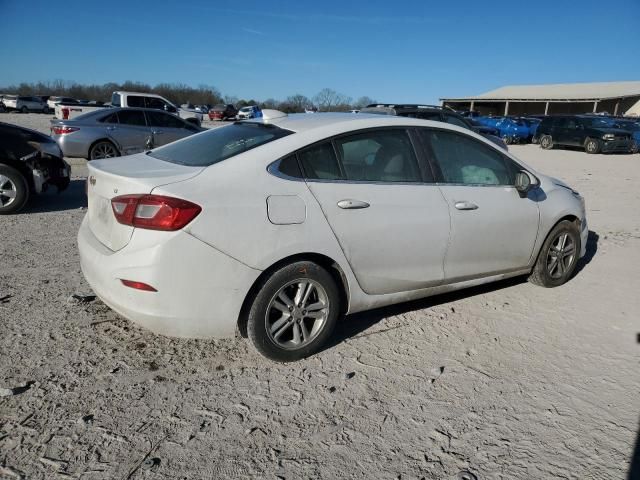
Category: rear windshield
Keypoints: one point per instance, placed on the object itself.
(216, 145)
(115, 99)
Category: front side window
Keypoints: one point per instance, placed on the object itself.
(464, 160)
(319, 162)
(132, 117)
(379, 156)
(216, 145)
(160, 119)
(156, 103)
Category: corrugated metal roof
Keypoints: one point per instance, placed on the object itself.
(560, 91)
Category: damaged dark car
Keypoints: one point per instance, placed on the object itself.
(30, 163)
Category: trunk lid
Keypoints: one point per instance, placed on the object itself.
(134, 174)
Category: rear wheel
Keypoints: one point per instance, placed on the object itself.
(507, 139)
(546, 142)
(592, 145)
(14, 190)
(558, 256)
(103, 149)
(24, 109)
(294, 312)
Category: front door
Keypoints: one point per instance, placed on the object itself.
(493, 230)
(392, 226)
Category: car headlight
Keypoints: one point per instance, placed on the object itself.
(608, 136)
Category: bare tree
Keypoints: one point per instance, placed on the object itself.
(328, 99)
(363, 102)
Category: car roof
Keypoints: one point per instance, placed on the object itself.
(303, 122)
(123, 92)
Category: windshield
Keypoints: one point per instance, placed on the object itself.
(216, 145)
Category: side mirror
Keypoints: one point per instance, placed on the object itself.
(525, 182)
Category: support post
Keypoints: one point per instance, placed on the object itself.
(616, 108)
(546, 108)
(595, 106)
(472, 105)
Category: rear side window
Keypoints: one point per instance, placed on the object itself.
(216, 145)
(135, 101)
(455, 121)
(464, 160)
(319, 162)
(289, 166)
(111, 118)
(132, 117)
(379, 156)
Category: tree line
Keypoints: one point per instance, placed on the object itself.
(325, 100)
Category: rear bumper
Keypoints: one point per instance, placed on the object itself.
(200, 290)
(72, 146)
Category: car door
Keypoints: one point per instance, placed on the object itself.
(574, 132)
(166, 128)
(560, 132)
(493, 229)
(131, 133)
(390, 221)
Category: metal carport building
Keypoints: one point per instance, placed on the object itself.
(615, 98)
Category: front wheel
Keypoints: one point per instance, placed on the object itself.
(592, 145)
(14, 190)
(294, 312)
(558, 256)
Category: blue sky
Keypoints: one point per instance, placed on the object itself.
(393, 51)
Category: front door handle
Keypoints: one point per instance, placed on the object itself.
(157, 132)
(350, 204)
(464, 205)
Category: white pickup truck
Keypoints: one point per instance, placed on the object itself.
(150, 100)
(68, 111)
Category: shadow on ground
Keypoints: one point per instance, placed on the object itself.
(72, 198)
(358, 323)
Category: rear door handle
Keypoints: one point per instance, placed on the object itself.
(157, 132)
(349, 204)
(464, 205)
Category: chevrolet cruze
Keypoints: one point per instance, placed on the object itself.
(280, 226)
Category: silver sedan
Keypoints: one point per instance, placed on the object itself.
(114, 132)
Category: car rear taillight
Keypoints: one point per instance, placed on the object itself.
(154, 212)
(63, 130)
(137, 285)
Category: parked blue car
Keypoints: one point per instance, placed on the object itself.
(512, 130)
(532, 123)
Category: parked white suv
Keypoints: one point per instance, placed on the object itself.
(150, 100)
(25, 104)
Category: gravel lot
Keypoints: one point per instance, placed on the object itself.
(505, 381)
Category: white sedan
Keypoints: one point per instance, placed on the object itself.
(278, 227)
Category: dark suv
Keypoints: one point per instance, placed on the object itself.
(593, 134)
(438, 114)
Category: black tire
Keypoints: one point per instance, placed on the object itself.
(634, 148)
(45, 110)
(508, 140)
(546, 142)
(24, 109)
(592, 145)
(544, 273)
(534, 140)
(99, 150)
(11, 180)
(264, 315)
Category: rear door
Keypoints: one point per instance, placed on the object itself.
(493, 229)
(392, 224)
(132, 133)
(166, 128)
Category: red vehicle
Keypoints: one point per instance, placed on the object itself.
(223, 112)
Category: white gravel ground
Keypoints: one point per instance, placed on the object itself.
(506, 381)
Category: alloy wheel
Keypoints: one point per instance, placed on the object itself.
(561, 255)
(8, 191)
(545, 142)
(103, 150)
(591, 146)
(297, 314)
